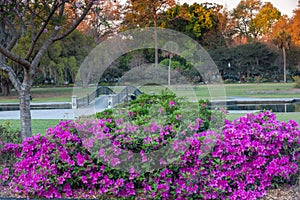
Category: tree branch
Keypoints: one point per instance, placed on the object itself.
(12, 75)
(45, 46)
(72, 28)
(14, 57)
(14, 32)
(33, 43)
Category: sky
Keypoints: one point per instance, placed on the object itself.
(284, 6)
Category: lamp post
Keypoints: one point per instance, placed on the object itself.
(170, 55)
(169, 69)
(170, 49)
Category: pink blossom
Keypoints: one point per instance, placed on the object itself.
(172, 103)
(84, 179)
(102, 152)
(80, 159)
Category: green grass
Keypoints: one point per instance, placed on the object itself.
(41, 125)
(254, 90)
(58, 94)
(262, 90)
(38, 125)
(280, 116)
(54, 94)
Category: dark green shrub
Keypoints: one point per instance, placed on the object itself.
(297, 81)
(9, 150)
(9, 135)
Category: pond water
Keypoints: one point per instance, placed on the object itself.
(285, 107)
(282, 107)
(236, 104)
(15, 107)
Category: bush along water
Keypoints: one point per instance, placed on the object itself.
(87, 158)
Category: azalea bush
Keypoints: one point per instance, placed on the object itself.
(153, 120)
(9, 135)
(121, 157)
(58, 165)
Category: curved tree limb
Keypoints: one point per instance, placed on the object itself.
(75, 25)
(12, 75)
(33, 43)
(14, 33)
(14, 57)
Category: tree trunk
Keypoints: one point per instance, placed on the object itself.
(284, 64)
(156, 48)
(24, 96)
(25, 115)
(155, 38)
(169, 71)
(5, 90)
(5, 87)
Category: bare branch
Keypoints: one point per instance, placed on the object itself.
(14, 33)
(46, 6)
(12, 75)
(45, 46)
(72, 28)
(14, 57)
(33, 43)
(32, 24)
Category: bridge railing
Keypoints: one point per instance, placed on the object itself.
(122, 96)
(90, 97)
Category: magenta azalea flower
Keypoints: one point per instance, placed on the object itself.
(80, 159)
(172, 103)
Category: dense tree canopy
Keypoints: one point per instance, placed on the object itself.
(294, 27)
(145, 13)
(193, 20)
(243, 16)
(242, 63)
(264, 20)
(61, 62)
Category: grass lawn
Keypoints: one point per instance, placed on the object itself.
(59, 94)
(262, 90)
(41, 125)
(38, 125)
(280, 116)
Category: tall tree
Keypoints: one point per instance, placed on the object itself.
(282, 38)
(44, 22)
(294, 27)
(194, 20)
(263, 22)
(66, 56)
(104, 21)
(242, 17)
(217, 35)
(145, 13)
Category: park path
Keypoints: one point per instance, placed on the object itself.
(40, 114)
(99, 105)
